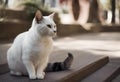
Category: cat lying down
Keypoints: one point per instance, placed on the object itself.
(29, 53)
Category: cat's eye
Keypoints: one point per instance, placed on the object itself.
(49, 26)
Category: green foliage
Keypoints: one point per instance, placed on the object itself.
(106, 4)
(3, 3)
(65, 11)
(118, 4)
(31, 7)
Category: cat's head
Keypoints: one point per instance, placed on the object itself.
(44, 25)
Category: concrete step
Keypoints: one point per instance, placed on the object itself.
(4, 69)
(85, 71)
(83, 65)
(105, 74)
(3, 50)
(117, 79)
(73, 29)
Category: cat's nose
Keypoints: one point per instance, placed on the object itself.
(55, 31)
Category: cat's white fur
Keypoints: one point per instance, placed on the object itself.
(29, 53)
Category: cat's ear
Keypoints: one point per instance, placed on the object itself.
(52, 15)
(38, 16)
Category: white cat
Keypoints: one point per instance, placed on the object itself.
(29, 53)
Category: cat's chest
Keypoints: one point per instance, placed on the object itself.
(46, 42)
(43, 47)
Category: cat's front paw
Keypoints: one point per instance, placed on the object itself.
(32, 76)
(41, 75)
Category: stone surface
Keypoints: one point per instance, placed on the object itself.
(82, 66)
(85, 48)
(105, 74)
(117, 79)
(3, 51)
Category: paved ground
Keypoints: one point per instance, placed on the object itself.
(117, 79)
(95, 43)
(91, 44)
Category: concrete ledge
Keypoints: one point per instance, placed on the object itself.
(13, 14)
(102, 27)
(82, 66)
(117, 79)
(68, 29)
(105, 74)
(10, 30)
(5, 67)
(3, 53)
(87, 70)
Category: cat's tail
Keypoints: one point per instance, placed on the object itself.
(68, 61)
(60, 66)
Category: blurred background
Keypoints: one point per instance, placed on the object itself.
(82, 15)
(70, 11)
(89, 28)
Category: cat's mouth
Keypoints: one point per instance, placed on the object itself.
(54, 34)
